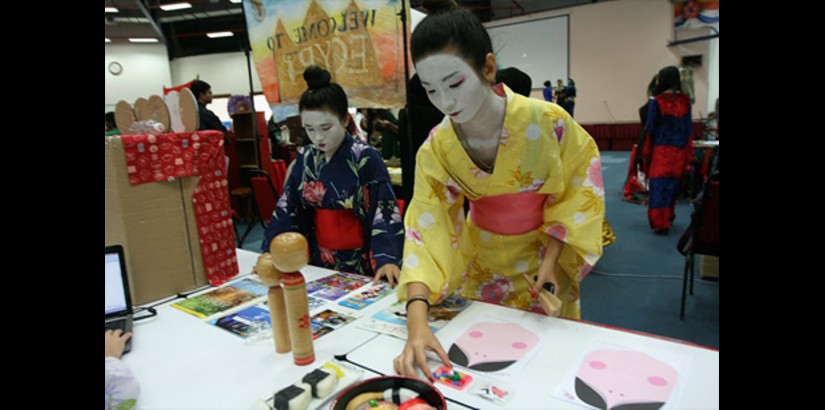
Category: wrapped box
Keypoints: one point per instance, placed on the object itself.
(156, 224)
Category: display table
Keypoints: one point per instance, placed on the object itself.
(184, 363)
(564, 343)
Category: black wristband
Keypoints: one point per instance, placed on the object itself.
(416, 298)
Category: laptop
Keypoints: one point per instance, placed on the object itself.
(118, 302)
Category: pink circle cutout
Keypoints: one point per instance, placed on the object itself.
(657, 381)
(595, 364)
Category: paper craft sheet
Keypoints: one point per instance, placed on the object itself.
(494, 347)
(393, 319)
(328, 320)
(611, 376)
(315, 303)
(337, 285)
(367, 297)
(239, 322)
(225, 299)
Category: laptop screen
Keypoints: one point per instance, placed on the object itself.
(117, 289)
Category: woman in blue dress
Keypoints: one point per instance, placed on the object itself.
(338, 193)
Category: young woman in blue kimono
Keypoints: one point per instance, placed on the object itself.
(338, 193)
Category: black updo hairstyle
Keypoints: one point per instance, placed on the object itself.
(668, 79)
(447, 25)
(323, 94)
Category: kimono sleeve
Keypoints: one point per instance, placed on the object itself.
(382, 214)
(574, 210)
(122, 387)
(650, 129)
(286, 217)
(432, 224)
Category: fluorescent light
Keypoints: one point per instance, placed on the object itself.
(175, 6)
(235, 1)
(108, 40)
(220, 34)
(111, 9)
(142, 40)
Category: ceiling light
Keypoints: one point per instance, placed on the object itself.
(142, 40)
(111, 9)
(220, 34)
(175, 6)
(108, 40)
(235, 1)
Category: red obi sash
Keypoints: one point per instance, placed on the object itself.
(509, 214)
(338, 229)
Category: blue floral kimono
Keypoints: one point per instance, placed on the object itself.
(355, 179)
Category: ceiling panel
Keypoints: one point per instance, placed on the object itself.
(184, 31)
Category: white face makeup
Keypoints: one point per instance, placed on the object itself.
(324, 130)
(452, 85)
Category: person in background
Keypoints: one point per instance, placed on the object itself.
(643, 110)
(208, 120)
(122, 387)
(686, 77)
(387, 125)
(559, 91)
(338, 192)
(667, 147)
(532, 176)
(516, 79)
(570, 96)
(548, 91)
(111, 127)
(359, 121)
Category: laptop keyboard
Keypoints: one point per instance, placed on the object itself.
(116, 324)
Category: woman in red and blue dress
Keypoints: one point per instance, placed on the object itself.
(667, 148)
(339, 194)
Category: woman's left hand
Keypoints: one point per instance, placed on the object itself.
(392, 273)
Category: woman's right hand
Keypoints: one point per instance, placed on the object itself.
(116, 342)
(419, 340)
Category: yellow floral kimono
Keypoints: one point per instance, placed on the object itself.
(542, 150)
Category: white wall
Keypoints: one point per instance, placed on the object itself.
(226, 72)
(538, 47)
(615, 49)
(219, 107)
(145, 72)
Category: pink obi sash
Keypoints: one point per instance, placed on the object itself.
(338, 229)
(509, 214)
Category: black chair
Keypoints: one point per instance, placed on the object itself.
(702, 236)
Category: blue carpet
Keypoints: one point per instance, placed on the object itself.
(637, 284)
(650, 302)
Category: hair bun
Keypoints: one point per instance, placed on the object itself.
(316, 77)
(434, 6)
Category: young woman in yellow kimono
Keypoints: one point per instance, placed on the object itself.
(532, 176)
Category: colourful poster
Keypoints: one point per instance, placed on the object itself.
(359, 41)
(692, 14)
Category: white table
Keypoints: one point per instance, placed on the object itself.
(183, 362)
(566, 341)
